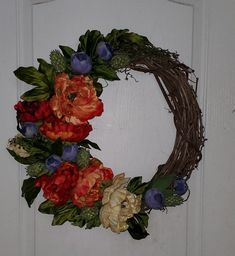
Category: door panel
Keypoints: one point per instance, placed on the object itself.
(131, 118)
(136, 133)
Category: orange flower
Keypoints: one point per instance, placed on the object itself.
(75, 99)
(54, 128)
(87, 190)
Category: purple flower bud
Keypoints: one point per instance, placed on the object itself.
(53, 162)
(180, 186)
(154, 198)
(81, 63)
(70, 152)
(29, 129)
(104, 50)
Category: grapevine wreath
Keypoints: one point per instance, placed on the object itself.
(52, 120)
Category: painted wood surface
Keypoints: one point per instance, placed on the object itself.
(136, 131)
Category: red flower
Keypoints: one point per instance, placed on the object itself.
(80, 186)
(32, 111)
(75, 99)
(87, 190)
(54, 128)
(57, 187)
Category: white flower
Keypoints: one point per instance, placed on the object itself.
(18, 149)
(118, 205)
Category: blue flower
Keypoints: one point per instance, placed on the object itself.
(104, 50)
(81, 63)
(70, 152)
(29, 129)
(180, 186)
(53, 162)
(154, 199)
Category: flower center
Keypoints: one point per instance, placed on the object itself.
(72, 96)
(124, 204)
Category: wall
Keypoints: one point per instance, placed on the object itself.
(9, 177)
(219, 177)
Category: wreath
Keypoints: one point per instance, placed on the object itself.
(52, 120)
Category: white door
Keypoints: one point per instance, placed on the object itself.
(135, 132)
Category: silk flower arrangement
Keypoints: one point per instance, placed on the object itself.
(53, 124)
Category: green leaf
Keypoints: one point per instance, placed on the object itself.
(105, 71)
(115, 34)
(134, 183)
(136, 186)
(34, 150)
(31, 75)
(137, 229)
(88, 217)
(93, 223)
(64, 213)
(141, 188)
(83, 158)
(31, 147)
(57, 147)
(98, 88)
(123, 35)
(89, 41)
(162, 183)
(135, 38)
(47, 69)
(37, 169)
(47, 207)
(29, 191)
(123, 39)
(36, 94)
(142, 218)
(79, 222)
(89, 214)
(67, 51)
(89, 144)
(43, 144)
(23, 160)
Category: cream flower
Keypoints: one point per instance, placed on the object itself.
(18, 149)
(118, 205)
